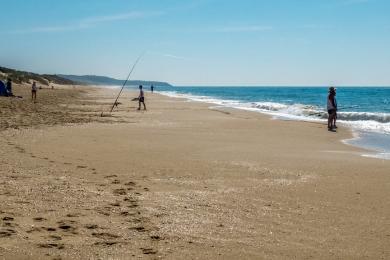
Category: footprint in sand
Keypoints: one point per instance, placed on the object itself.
(104, 235)
(137, 220)
(81, 166)
(130, 200)
(53, 237)
(73, 215)
(10, 224)
(7, 232)
(20, 149)
(139, 229)
(148, 251)
(91, 226)
(115, 182)
(106, 243)
(155, 237)
(115, 204)
(7, 222)
(39, 219)
(119, 192)
(51, 245)
(67, 226)
(34, 229)
(111, 176)
(50, 229)
(132, 205)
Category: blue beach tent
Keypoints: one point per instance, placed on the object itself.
(3, 90)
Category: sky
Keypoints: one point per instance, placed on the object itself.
(202, 42)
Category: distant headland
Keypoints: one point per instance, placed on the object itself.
(20, 77)
(103, 80)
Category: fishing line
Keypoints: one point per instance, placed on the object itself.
(124, 83)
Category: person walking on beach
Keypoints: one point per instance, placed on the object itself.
(332, 108)
(9, 87)
(141, 98)
(152, 88)
(34, 91)
(335, 104)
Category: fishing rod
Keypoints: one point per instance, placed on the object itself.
(124, 84)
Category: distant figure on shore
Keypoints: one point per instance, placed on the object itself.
(332, 109)
(152, 88)
(3, 89)
(9, 87)
(141, 98)
(34, 90)
(335, 103)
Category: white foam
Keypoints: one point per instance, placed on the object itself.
(369, 125)
(384, 156)
(364, 116)
(112, 87)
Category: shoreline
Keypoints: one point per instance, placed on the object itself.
(356, 140)
(183, 181)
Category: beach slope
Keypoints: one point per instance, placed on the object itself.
(183, 181)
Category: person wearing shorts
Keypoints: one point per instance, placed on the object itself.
(332, 108)
(141, 98)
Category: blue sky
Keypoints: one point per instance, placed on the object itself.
(202, 42)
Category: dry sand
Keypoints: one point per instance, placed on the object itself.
(182, 181)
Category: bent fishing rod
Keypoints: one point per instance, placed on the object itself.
(127, 79)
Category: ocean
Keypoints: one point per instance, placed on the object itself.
(366, 110)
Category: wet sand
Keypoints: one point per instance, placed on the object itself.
(182, 181)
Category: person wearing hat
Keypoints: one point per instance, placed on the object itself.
(332, 109)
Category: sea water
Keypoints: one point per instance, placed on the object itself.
(364, 109)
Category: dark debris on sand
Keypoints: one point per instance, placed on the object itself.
(53, 107)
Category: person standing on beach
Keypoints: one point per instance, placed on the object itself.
(152, 88)
(34, 91)
(332, 108)
(9, 87)
(335, 104)
(141, 98)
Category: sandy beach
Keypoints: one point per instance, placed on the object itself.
(181, 181)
